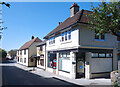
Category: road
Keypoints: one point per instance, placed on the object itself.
(11, 75)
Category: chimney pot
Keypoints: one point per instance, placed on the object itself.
(59, 23)
(32, 37)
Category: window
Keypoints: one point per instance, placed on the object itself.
(31, 60)
(41, 49)
(64, 62)
(24, 60)
(62, 36)
(99, 37)
(18, 52)
(65, 36)
(118, 38)
(21, 52)
(18, 59)
(94, 54)
(24, 52)
(101, 54)
(108, 54)
(69, 34)
(52, 40)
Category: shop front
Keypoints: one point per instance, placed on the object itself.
(52, 62)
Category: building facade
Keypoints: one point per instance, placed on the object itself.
(25, 55)
(41, 55)
(74, 51)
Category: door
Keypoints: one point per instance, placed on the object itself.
(80, 65)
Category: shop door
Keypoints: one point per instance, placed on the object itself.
(80, 67)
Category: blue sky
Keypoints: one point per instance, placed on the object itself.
(25, 19)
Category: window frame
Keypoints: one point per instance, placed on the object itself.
(100, 37)
(24, 51)
(104, 56)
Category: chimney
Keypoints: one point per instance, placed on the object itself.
(74, 9)
(32, 37)
(59, 23)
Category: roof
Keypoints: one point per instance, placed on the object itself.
(29, 43)
(42, 43)
(79, 17)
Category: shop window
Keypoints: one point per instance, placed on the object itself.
(64, 62)
(42, 62)
(51, 60)
(32, 60)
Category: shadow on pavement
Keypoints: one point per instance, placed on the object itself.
(15, 77)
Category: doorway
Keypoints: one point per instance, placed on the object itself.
(80, 65)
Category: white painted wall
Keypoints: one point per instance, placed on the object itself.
(43, 52)
(23, 56)
(69, 44)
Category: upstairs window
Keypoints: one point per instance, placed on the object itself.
(118, 38)
(52, 40)
(21, 52)
(69, 34)
(24, 52)
(62, 36)
(100, 36)
(66, 36)
(41, 49)
(18, 52)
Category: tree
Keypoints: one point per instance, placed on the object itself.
(12, 53)
(105, 18)
(3, 52)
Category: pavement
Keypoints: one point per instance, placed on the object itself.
(61, 79)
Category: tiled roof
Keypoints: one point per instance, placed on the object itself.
(29, 43)
(42, 43)
(79, 17)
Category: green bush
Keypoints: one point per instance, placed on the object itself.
(115, 84)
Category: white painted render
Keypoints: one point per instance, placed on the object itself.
(44, 53)
(31, 51)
